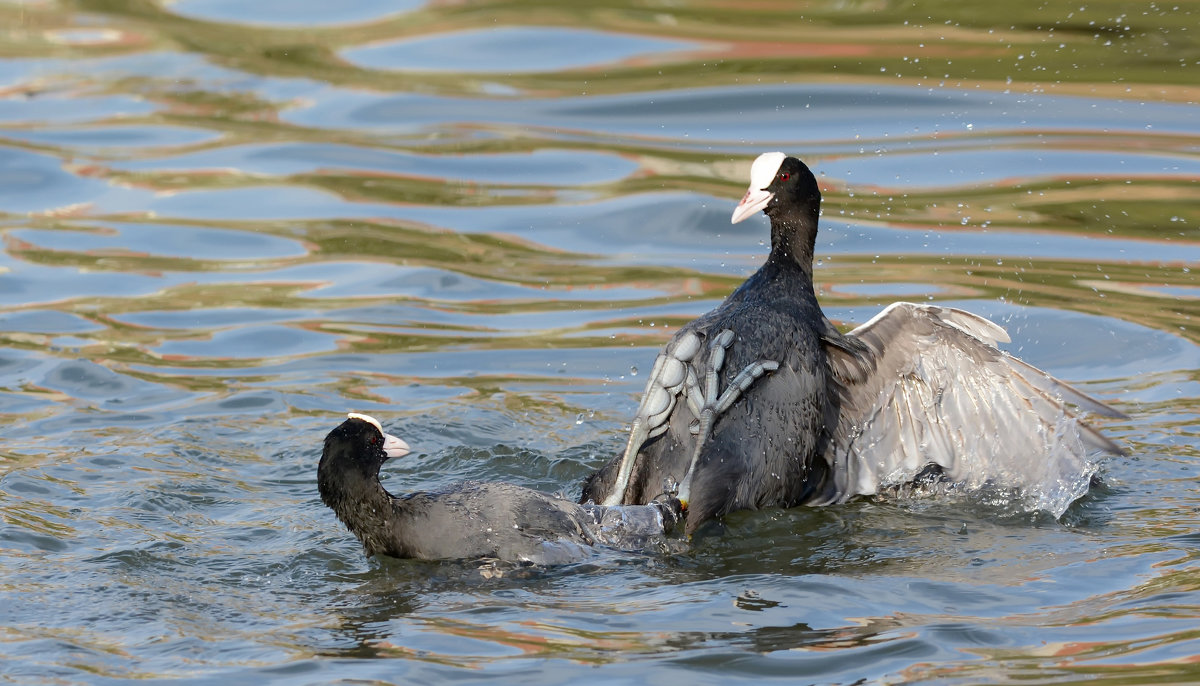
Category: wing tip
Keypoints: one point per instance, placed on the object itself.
(1101, 442)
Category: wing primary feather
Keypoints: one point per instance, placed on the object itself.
(922, 384)
(1067, 392)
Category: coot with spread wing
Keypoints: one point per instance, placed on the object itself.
(763, 401)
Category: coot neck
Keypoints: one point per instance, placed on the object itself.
(793, 239)
(360, 501)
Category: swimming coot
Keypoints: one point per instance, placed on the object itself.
(762, 401)
(469, 519)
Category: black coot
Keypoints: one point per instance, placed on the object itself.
(468, 520)
(764, 402)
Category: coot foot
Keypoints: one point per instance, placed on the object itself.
(714, 404)
(671, 375)
(671, 508)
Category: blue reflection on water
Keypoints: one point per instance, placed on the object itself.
(779, 114)
(542, 167)
(292, 13)
(509, 49)
(167, 240)
(971, 167)
(120, 137)
(31, 182)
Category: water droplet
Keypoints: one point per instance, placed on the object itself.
(633, 370)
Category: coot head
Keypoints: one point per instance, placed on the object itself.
(358, 447)
(779, 186)
(786, 191)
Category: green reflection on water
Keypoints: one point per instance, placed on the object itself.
(237, 81)
(1032, 44)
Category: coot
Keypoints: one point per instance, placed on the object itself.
(469, 519)
(762, 401)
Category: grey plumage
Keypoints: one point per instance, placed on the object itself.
(922, 384)
(468, 519)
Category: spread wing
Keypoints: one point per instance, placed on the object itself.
(921, 384)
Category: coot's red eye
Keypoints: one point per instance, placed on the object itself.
(785, 176)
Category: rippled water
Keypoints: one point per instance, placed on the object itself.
(226, 224)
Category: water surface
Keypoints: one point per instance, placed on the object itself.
(227, 224)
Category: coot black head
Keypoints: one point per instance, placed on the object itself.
(353, 454)
(786, 191)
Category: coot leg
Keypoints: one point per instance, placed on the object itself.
(713, 404)
(741, 382)
(670, 375)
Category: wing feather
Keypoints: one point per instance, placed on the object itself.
(923, 384)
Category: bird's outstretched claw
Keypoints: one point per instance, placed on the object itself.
(672, 376)
(713, 405)
(672, 372)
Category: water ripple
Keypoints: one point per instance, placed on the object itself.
(227, 224)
